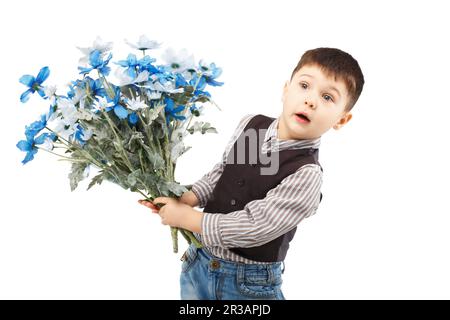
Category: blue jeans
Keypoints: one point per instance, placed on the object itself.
(204, 277)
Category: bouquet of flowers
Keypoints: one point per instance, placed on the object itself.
(130, 131)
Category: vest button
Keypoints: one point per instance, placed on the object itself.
(233, 202)
(241, 182)
(311, 151)
(215, 264)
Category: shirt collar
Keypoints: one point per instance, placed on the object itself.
(275, 143)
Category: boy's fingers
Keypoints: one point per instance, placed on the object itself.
(148, 204)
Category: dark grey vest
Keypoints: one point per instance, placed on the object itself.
(242, 183)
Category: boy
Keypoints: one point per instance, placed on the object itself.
(250, 216)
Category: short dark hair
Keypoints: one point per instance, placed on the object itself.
(337, 63)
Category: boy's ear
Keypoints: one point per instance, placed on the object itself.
(344, 119)
(285, 87)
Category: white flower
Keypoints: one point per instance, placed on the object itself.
(99, 45)
(144, 43)
(87, 134)
(154, 95)
(85, 114)
(178, 61)
(79, 96)
(136, 104)
(125, 79)
(143, 76)
(64, 131)
(102, 104)
(48, 144)
(68, 111)
(167, 86)
(49, 91)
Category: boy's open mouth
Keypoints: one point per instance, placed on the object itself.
(302, 117)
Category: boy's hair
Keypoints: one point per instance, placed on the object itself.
(337, 63)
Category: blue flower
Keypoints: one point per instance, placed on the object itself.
(146, 62)
(119, 110)
(148, 66)
(81, 135)
(133, 64)
(75, 84)
(96, 62)
(34, 84)
(180, 81)
(201, 84)
(133, 118)
(210, 73)
(96, 88)
(171, 110)
(33, 129)
(29, 145)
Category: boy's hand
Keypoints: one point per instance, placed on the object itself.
(175, 213)
(189, 198)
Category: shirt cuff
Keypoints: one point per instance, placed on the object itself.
(202, 191)
(211, 235)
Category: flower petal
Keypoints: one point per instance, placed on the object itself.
(24, 145)
(26, 95)
(41, 93)
(133, 118)
(120, 112)
(29, 156)
(27, 80)
(43, 75)
(41, 138)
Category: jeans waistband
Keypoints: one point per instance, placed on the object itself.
(231, 266)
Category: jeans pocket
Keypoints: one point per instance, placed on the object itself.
(189, 257)
(258, 285)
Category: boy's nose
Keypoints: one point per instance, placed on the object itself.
(310, 104)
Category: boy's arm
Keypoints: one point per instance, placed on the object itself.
(261, 221)
(203, 188)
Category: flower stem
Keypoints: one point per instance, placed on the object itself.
(59, 155)
(119, 142)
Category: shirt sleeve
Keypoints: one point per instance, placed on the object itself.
(204, 187)
(262, 220)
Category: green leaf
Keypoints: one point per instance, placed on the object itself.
(156, 161)
(176, 188)
(202, 99)
(153, 114)
(177, 150)
(77, 174)
(98, 179)
(203, 127)
(133, 177)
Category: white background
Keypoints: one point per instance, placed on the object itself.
(381, 231)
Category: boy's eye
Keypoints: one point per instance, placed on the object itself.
(330, 98)
(327, 97)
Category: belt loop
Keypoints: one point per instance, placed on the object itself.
(270, 273)
(240, 273)
(283, 267)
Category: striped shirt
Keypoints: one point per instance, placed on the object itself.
(295, 198)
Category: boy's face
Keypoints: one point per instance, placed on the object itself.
(312, 93)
